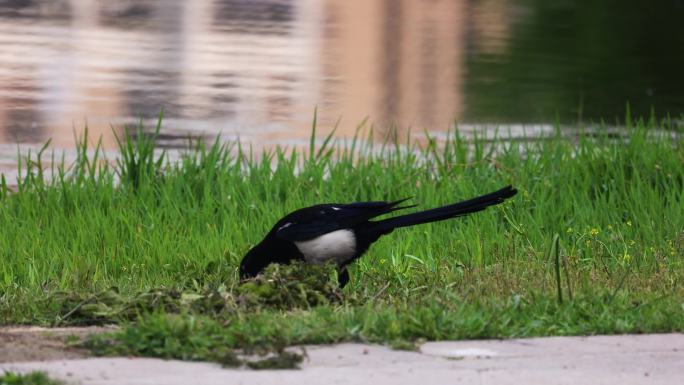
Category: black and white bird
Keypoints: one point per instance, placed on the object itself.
(341, 233)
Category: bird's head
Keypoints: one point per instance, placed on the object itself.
(253, 262)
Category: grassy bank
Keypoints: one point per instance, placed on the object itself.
(142, 222)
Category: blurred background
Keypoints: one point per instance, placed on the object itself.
(257, 69)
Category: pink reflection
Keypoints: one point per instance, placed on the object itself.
(249, 69)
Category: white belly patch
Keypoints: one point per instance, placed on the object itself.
(337, 246)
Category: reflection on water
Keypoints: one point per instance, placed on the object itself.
(256, 69)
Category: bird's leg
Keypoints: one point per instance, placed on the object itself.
(343, 277)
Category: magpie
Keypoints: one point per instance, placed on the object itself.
(341, 233)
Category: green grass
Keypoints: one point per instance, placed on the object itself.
(33, 378)
(141, 223)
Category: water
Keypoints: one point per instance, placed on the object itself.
(256, 69)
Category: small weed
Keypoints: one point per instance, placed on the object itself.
(280, 360)
(33, 378)
(404, 345)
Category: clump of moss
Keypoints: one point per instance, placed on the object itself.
(112, 306)
(297, 285)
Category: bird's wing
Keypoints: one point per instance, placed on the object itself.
(314, 221)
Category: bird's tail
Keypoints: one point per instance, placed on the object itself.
(441, 213)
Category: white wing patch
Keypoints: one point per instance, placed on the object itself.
(336, 208)
(336, 246)
(284, 226)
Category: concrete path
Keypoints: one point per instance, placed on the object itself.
(624, 360)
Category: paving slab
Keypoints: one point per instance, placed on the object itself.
(624, 360)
